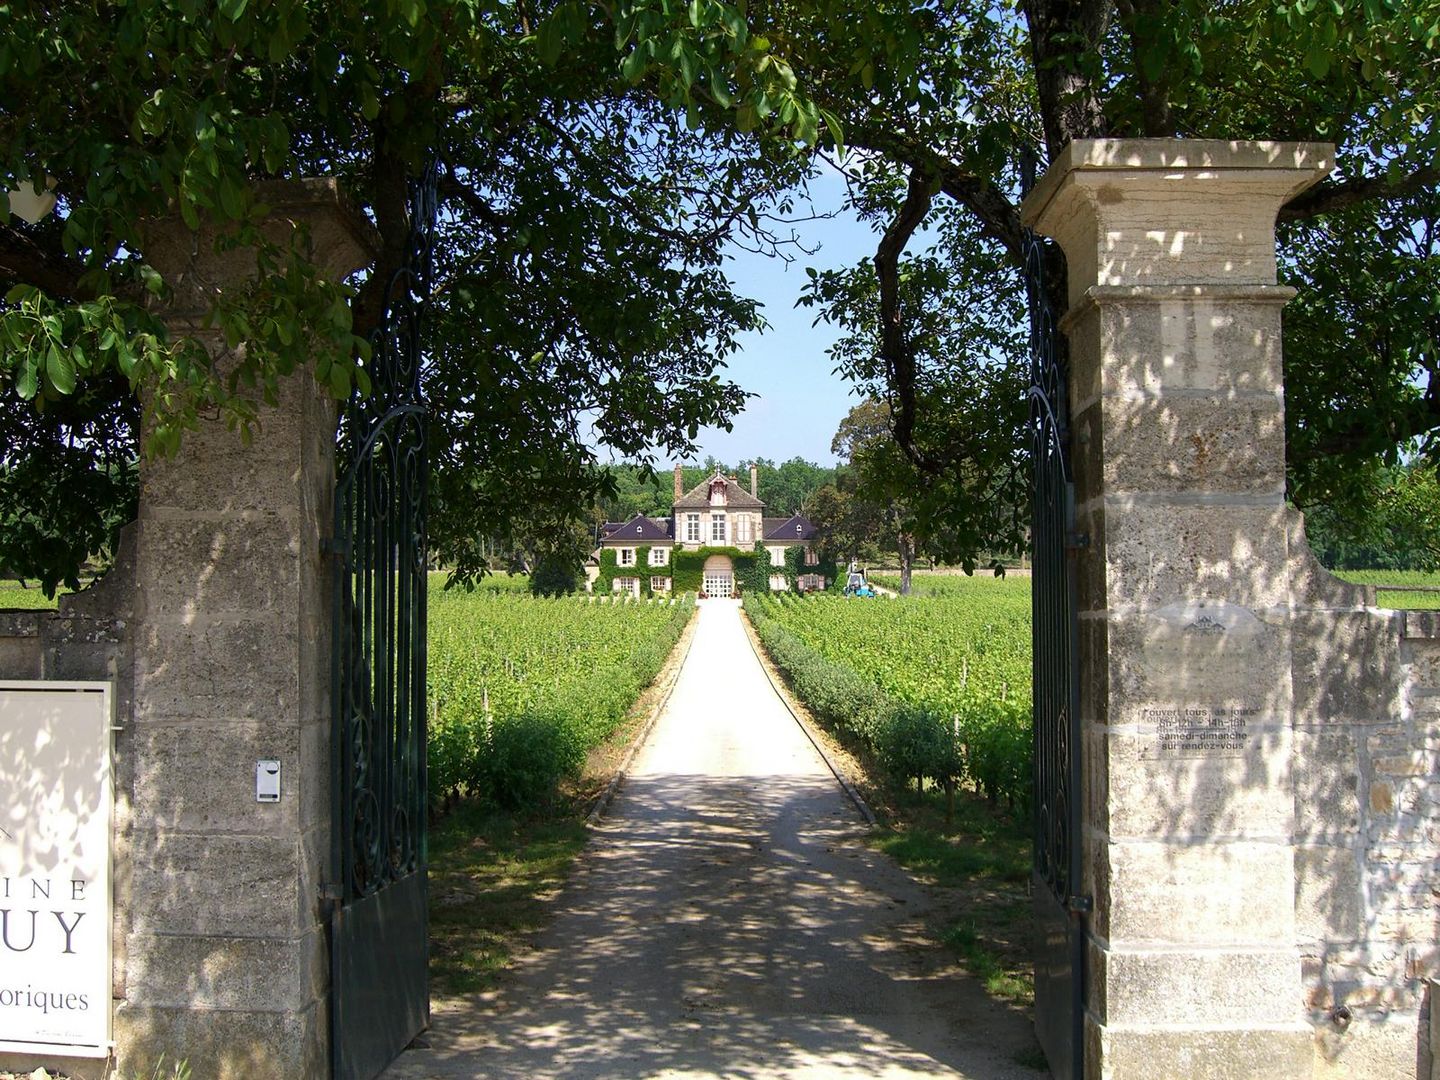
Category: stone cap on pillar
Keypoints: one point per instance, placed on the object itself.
(1170, 211)
(339, 240)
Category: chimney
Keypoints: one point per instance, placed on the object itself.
(679, 484)
(754, 480)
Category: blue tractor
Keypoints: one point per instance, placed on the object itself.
(856, 585)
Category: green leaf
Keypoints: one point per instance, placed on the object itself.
(60, 370)
(232, 198)
(633, 67)
(339, 382)
(718, 90)
(369, 101)
(233, 9)
(27, 381)
(837, 132)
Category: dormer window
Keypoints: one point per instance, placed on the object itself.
(717, 492)
(799, 528)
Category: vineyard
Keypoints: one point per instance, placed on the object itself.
(924, 583)
(521, 689)
(937, 687)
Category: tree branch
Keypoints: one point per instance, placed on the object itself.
(895, 349)
(1328, 197)
(23, 260)
(451, 187)
(998, 216)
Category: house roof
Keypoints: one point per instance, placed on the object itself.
(635, 531)
(795, 527)
(736, 497)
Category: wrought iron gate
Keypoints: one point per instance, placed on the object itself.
(379, 931)
(1060, 959)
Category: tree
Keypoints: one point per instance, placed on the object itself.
(951, 100)
(557, 122)
(1362, 351)
(579, 283)
(1400, 531)
(848, 528)
(966, 495)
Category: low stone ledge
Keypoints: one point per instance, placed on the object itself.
(21, 623)
(1422, 626)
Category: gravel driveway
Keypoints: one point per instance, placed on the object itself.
(726, 920)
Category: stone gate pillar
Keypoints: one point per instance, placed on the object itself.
(1184, 591)
(224, 954)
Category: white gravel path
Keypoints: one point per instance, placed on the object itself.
(726, 920)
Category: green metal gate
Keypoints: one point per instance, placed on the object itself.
(379, 930)
(1059, 909)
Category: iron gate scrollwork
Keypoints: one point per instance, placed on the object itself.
(379, 927)
(1060, 959)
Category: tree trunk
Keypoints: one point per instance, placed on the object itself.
(1062, 34)
(906, 544)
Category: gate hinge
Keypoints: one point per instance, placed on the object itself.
(1080, 905)
(330, 546)
(331, 892)
(1076, 541)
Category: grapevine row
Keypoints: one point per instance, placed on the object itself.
(937, 687)
(520, 689)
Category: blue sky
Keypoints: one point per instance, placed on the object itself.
(799, 403)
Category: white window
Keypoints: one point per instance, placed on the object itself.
(626, 557)
(810, 582)
(659, 556)
(812, 557)
(717, 493)
(692, 528)
(717, 528)
(777, 556)
(629, 585)
(742, 529)
(659, 584)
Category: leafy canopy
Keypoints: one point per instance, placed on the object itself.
(593, 164)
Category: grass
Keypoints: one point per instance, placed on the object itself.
(981, 860)
(490, 878)
(15, 595)
(1390, 587)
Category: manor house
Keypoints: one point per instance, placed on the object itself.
(718, 512)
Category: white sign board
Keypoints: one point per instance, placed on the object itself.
(55, 905)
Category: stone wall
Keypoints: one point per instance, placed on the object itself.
(1367, 836)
